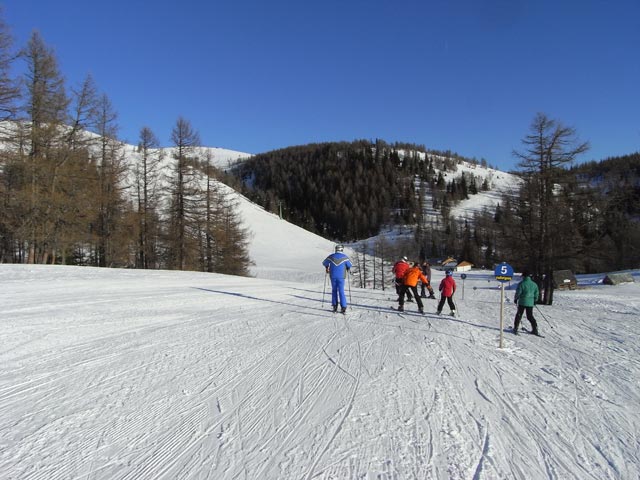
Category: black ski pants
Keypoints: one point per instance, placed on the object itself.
(452, 305)
(405, 289)
(532, 321)
(399, 288)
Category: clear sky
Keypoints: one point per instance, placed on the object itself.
(257, 75)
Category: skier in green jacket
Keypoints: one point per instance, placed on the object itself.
(526, 295)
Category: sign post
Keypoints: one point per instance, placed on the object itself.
(504, 274)
(463, 276)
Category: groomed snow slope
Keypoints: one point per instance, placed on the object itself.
(124, 374)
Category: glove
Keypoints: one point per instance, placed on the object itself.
(327, 269)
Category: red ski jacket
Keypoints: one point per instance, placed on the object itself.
(447, 286)
(400, 268)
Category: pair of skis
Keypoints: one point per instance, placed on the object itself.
(400, 312)
(526, 330)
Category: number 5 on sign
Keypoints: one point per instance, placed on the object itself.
(504, 273)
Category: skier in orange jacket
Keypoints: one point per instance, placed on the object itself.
(410, 281)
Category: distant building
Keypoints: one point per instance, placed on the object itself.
(464, 266)
(449, 263)
(618, 278)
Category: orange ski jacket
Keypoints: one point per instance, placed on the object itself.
(413, 275)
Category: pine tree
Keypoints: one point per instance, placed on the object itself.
(473, 188)
(46, 109)
(464, 189)
(147, 173)
(231, 239)
(547, 149)
(186, 141)
(111, 247)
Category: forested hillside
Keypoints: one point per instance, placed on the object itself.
(618, 177)
(348, 191)
(340, 190)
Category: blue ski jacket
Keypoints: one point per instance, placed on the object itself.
(337, 265)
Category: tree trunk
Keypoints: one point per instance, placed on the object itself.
(548, 288)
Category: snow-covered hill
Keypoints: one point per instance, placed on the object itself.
(129, 374)
(500, 183)
(279, 234)
(268, 233)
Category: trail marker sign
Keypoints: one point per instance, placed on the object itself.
(503, 272)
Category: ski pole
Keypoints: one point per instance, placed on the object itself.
(540, 311)
(349, 284)
(324, 289)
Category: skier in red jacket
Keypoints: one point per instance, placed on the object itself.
(399, 270)
(447, 289)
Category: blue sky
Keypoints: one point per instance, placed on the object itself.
(253, 76)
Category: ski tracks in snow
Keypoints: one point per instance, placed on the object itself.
(347, 408)
(211, 383)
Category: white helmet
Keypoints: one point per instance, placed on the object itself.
(339, 248)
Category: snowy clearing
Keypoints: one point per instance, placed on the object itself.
(128, 374)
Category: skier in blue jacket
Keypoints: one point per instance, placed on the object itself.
(337, 265)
